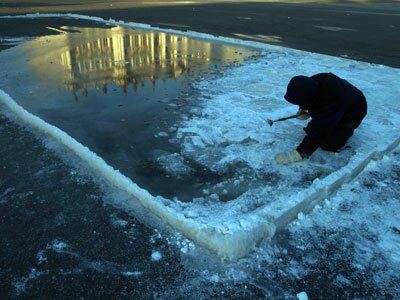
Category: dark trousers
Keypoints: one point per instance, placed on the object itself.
(336, 139)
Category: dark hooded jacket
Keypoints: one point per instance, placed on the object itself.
(335, 106)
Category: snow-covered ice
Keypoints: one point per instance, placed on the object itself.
(228, 133)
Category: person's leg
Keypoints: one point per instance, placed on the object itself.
(337, 139)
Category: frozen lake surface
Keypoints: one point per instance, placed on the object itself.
(221, 142)
(220, 128)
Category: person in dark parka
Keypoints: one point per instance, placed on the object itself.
(336, 108)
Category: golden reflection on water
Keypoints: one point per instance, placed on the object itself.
(96, 57)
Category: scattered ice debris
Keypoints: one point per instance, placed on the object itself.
(172, 129)
(195, 140)
(57, 245)
(156, 256)
(185, 246)
(302, 296)
(206, 191)
(7, 191)
(117, 222)
(25, 195)
(214, 197)
(132, 273)
(20, 285)
(120, 222)
(185, 249)
(300, 216)
(343, 280)
(215, 278)
(174, 164)
(196, 112)
(191, 214)
(162, 134)
(156, 236)
(41, 257)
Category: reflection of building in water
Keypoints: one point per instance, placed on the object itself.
(97, 57)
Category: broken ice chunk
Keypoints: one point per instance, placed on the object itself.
(156, 256)
(302, 296)
(191, 214)
(174, 164)
(162, 134)
(245, 224)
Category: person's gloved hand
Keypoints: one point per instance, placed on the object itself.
(302, 114)
(288, 157)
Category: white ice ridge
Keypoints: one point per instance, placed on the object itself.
(232, 118)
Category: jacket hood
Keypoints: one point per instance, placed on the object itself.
(302, 91)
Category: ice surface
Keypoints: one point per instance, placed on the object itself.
(227, 133)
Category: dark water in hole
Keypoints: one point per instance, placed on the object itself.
(121, 92)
